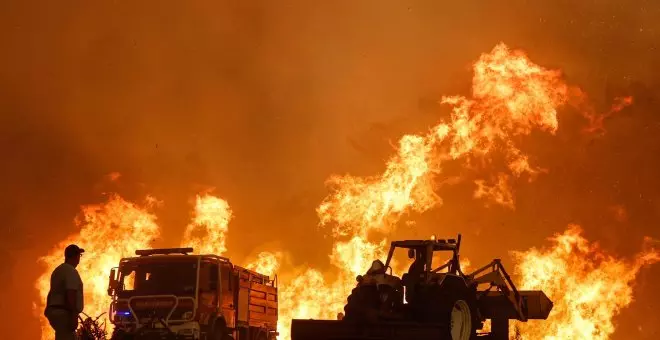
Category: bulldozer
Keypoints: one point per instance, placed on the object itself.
(428, 303)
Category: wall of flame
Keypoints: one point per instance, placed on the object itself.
(511, 98)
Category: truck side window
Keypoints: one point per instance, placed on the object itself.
(205, 277)
(129, 281)
(225, 275)
(213, 276)
(208, 277)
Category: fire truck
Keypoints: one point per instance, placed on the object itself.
(174, 294)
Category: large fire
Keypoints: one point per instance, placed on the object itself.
(108, 232)
(511, 97)
(207, 231)
(587, 285)
(116, 229)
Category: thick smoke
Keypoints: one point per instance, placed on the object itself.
(264, 100)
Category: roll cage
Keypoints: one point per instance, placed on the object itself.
(427, 248)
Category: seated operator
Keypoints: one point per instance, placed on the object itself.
(415, 271)
(418, 266)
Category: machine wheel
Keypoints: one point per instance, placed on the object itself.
(363, 304)
(261, 336)
(220, 333)
(455, 304)
(461, 321)
(118, 334)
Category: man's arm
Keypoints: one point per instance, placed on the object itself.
(71, 298)
(72, 285)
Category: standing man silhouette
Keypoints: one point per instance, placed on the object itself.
(65, 298)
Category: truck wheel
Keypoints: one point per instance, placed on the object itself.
(120, 335)
(261, 336)
(363, 304)
(220, 333)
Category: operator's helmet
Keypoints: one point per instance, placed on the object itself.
(377, 267)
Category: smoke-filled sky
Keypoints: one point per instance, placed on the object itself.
(263, 100)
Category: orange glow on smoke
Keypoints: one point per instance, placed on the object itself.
(588, 286)
(108, 232)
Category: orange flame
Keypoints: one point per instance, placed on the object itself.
(308, 295)
(510, 96)
(108, 232)
(588, 286)
(596, 121)
(207, 231)
(266, 263)
(497, 192)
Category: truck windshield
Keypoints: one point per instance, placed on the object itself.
(153, 278)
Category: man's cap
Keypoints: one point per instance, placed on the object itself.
(73, 250)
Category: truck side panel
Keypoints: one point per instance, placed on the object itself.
(257, 300)
(243, 304)
(263, 305)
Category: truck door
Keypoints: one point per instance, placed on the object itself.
(227, 289)
(209, 298)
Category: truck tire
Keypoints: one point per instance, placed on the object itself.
(454, 303)
(118, 334)
(362, 305)
(221, 333)
(262, 336)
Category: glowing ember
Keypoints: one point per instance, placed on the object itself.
(207, 231)
(588, 286)
(108, 232)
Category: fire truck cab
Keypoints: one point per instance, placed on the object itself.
(171, 294)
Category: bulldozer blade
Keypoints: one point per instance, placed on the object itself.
(535, 306)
